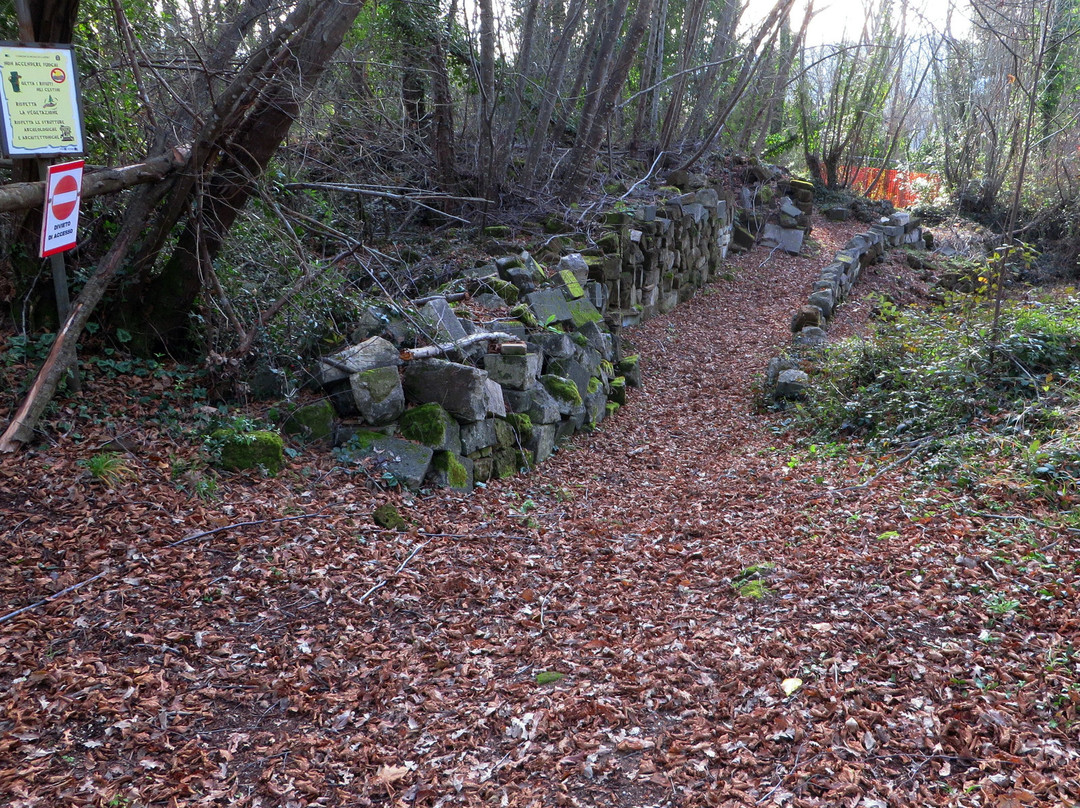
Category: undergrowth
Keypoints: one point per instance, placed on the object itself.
(931, 381)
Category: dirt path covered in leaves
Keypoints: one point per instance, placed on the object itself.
(616, 629)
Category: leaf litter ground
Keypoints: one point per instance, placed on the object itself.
(674, 611)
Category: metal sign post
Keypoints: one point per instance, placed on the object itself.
(40, 116)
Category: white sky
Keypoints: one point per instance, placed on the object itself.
(836, 20)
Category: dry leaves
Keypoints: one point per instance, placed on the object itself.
(259, 667)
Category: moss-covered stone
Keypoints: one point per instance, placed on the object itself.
(617, 390)
(610, 242)
(504, 289)
(312, 422)
(452, 471)
(505, 436)
(561, 389)
(630, 367)
(387, 516)
(582, 311)
(522, 425)
(571, 286)
(554, 224)
(596, 384)
(497, 231)
(432, 426)
(524, 314)
(242, 451)
(612, 407)
(505, 463)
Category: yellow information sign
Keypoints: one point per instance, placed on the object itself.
(39, 101)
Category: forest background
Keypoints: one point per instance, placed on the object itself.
(280, 161)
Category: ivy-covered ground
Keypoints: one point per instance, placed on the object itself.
(701, 604)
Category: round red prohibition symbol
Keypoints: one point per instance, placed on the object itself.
(58, 75)
(65, 197)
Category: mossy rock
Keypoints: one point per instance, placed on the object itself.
(596, 384)
(312, 422)
(452, 471)
(561, 389)
(243, 451)
(387, 516)
(617, 390)
(630, 367)
(505, 436)
(571, 286)
(504, 289)
(612, 407)
(505, 463)
(582, 312)
(554, 224)
(609, 242)
(524, 314)
(522, 425)
(432, 426)
(497, 231)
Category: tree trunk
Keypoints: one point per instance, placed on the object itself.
(692, 17)
(486, 147)
(165, 301)
(522, 68)
(551, 92)
(599, 73)
(582, 158)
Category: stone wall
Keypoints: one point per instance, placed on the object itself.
(488, 407)
(785, 378)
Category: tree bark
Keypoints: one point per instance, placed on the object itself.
(26, 195)
(166, 299)
(605, 105)
(551, 92)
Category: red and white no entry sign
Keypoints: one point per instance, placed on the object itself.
(65, 196)
(62, 189)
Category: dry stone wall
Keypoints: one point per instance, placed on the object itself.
(785, 378)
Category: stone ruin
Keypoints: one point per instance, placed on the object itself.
(487, 397)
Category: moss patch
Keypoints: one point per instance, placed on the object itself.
(504, 289)
(455, 474)
(612, 407)
(582, 311)
(522, 424)
(428, 424)
(524, 314)
(595, 385)
(314, 421)
(497, 231)
(562, 389)
(571, 286)
(387, 516)
(241, 451)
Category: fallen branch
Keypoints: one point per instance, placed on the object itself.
(54, 596)
(376, 587)
(835, 491)
(25, 195)
(129, 567)
(447, 347)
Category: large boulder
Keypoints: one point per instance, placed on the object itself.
(432, 426)
(514, 372)
(460, 389)
(377, 395)
(371, 353)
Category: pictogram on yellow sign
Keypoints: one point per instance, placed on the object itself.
(39, 101)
